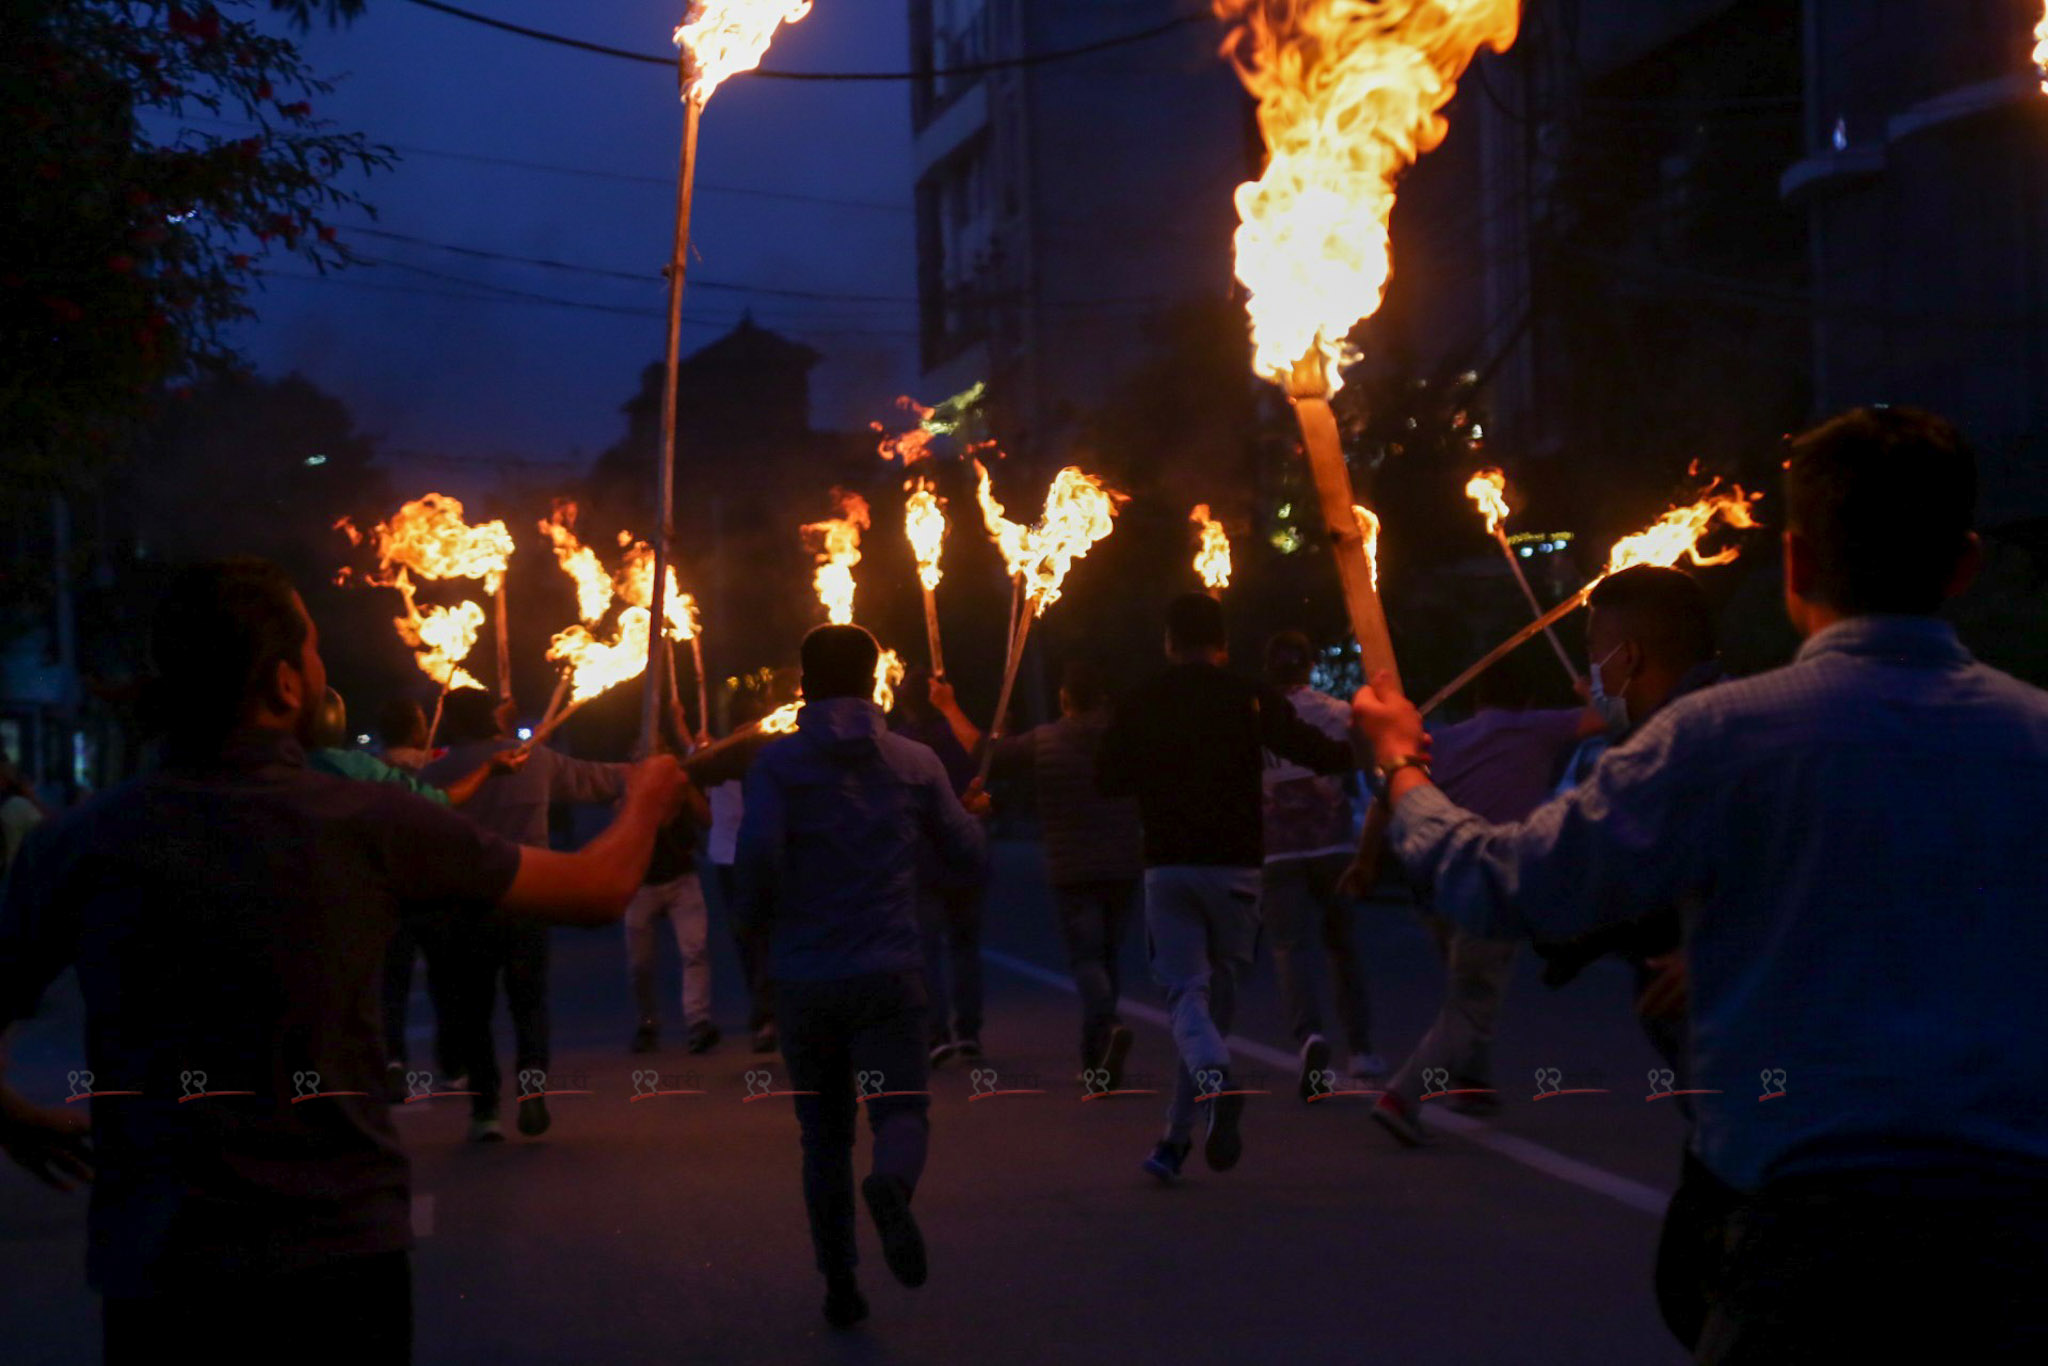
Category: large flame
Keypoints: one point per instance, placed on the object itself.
(1212, 560)
(636, 587)
(579, 561)
(1369, 529)
(1488, 490)
(722, 38)
(924, 521)
(838, 551)
(429, 537)
(595, 665)
(441, 637)
(1676, 535)
(1078, 513)
(1348, 94)
(2041, 48)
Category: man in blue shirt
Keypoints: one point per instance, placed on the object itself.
(1859, 836)
(828, 865)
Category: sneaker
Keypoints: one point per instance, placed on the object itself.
(844, 1304)
(1370, 1068)
(1315, 1059)
(943, 1048)
(1224, 1144)
(1166, 1161)
(968, 1045)
(902, 1245)
(533, 1116)
(702, 1036)
(765, 1039)
(486, 1131)
(395, 1089)
(645, 1037)
(1400, 1119)
(1115, 1055)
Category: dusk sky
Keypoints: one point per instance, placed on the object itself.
(802, 187)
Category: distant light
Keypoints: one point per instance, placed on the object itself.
(1477, 431)
(1841, 135)
(1287, 509)
(181, 217)
(1527, 551)
(316, 460)
(526, 732)
(362, 739)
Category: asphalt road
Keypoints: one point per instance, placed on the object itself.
(670, 1227)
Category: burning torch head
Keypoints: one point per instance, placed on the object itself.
(839, 661)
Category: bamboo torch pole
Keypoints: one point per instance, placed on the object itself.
(652, 688)
(931, 631)
(703, 688)
(1347, 542)
(504, 646)
(1535, 608)
(995, 728)
(1510, 645)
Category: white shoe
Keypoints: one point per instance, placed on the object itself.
(1368, 1067)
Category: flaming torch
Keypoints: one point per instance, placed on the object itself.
(1673, 537)
(716, 40)
(924, 522)
(1348, 97)
(2041, 48)
(636, 586)
(1079, 511)
(1212, 557)
(838, 550)
(1488, 490)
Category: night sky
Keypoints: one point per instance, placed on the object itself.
(481, 374)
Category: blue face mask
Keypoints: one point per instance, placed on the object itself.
(1612, 708)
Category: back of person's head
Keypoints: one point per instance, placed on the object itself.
(1884, 499)
(1290, 659)
(1663, 610)
(401, 724)
(1194, 622)
(467, 716)
(220, 632)
(839, 661)
(1081, 686)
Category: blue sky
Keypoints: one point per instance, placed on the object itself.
(472, 377)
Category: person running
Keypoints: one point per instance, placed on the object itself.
(1094, 850)
(1857, 840)
(672, 892)
(245, 1170)
(514, 806)
(828, 867)
(1189, 745)
(1309, 834)
(1504, 763)
(950, 912)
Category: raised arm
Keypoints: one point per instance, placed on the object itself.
(581, 781)
(948, 705)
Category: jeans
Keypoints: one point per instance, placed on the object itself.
(951, 926)
(1460, 1043)
(831, 1033)
(1202, 931)
(353, 1311)
(1300, 897)
(517, 949)
(1851, 1267)
(753, 950)
(443, 987)
(682, 903)
(1094, 918)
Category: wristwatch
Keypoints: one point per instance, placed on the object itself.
(1378, 779)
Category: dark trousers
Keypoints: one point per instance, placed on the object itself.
(860, 1036)
(443, 973)
(1847, 1268)
(356, 1311)
(753, 950)
(1095, 917)
(951, 922)
(517, 950)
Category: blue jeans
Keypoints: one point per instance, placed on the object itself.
(1202, 930)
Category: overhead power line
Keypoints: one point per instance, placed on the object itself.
(964, 69)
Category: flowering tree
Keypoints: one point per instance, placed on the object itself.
(155, 154)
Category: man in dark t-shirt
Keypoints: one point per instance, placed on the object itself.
(228, 917)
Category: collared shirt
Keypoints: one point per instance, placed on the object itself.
(1863, 832)
(828, 852)
(229, 923)
(515, 805)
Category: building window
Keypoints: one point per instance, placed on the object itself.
(958, 256)
(946, 37)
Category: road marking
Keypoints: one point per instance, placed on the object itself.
(1634, 1194)
(423, 1216)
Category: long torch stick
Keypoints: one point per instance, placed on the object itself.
(504, 647)
(434, 726)
(665, 473)
(995, 728)
(1354, 569)
(554, 723)
(931, 631)
(1510, 645)
(703, 689)
(1501, 539)
(554, 704)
